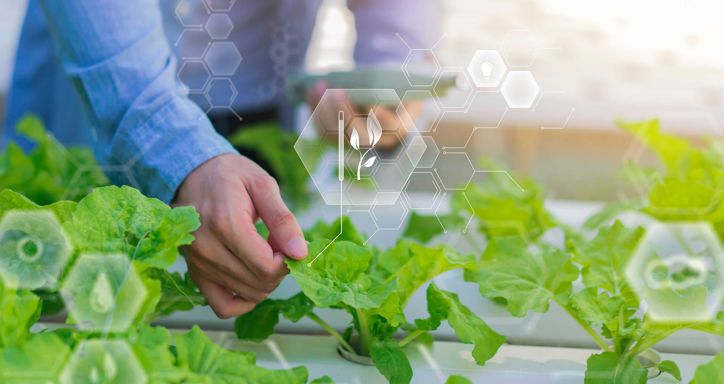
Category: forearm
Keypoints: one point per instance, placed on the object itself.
(147, 132)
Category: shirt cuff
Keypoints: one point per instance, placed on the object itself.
(157, 154)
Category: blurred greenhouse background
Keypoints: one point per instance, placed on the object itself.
(594, 63)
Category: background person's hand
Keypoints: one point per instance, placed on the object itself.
(393, 127)
(233, 266)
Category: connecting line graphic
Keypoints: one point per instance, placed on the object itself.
(340, 177)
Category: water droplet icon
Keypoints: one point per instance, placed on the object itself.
(109, 367)
(101, 298)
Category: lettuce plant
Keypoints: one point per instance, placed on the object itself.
(113, 220)
(50, 172)
(374, 286)
(586, 277)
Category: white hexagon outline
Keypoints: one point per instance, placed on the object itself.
(512, 76)
(79, 353)
(635, 264)
(435, 197)
(131, 273)
(52, 276)
(403, 218)
(232, 98)
(177, 11)
(408, 61)
(209, 6)
(477, 61)
(431, 144)
(221, 16)
(472, 167)
(463, 74)
(219, 44)
(193, 61)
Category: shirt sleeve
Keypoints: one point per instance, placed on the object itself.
(145, 129)
(383, 24)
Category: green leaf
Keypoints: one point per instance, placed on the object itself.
(468, 327)
(50, 172)
(457, 379)
(121, 219)
(19, 310)
(391, 361)
(424, 228)
(596, 308)
(322, 230)
(10, 200)
(411, 265)
(151, 345)
(609, 368)
(670, 367)
(339, 276)
(711, 372)
(504, 207)
(526, 279)
(605, 257)
(209, 363)
(322, 380)
(259, 323)
(39, 360)
(178, 293)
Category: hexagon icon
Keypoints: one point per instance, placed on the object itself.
(487, 68)
(219, 26)
(422, 191)
(357, 135)
(520, 89)
(459, 97)
(194, 75)
(219, 5)
(454, 170)
(418, 64)
(222, 58)
(221, 93)
(103, 292)
(678, 271)
(191, 13)
(34, 249)
(429, 157)
(103, 361)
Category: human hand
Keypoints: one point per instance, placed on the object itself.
(233, 266)
(393, 126)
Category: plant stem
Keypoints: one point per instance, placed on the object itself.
(361, 159)
(410, 337)
(594, 335)
(364, 332)
(313, 316)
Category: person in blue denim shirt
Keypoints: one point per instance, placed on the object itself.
(102, 73)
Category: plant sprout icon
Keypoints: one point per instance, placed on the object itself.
(110, 370)
(374, 133)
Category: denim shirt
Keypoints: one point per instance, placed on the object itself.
(102, 74)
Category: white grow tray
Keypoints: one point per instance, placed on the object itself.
(511, 365)
(555, 328)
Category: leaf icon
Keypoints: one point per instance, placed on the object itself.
(374, 128)
(354, 139)
(370, 162)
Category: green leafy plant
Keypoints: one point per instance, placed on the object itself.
(374, 286)
(109, 221)
(50, 172)
(525, 273)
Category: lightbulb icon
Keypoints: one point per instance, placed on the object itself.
(487, 68)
